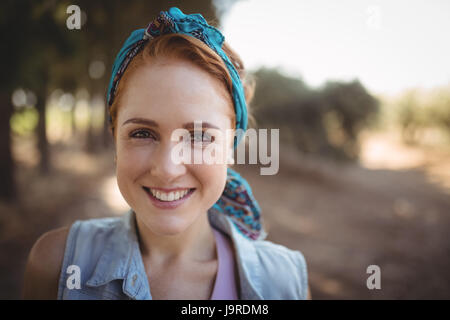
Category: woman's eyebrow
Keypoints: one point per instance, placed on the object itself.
(188, 125)
(141, 121)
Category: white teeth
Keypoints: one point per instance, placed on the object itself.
(169, 196)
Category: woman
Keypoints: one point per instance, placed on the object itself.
(194, 229)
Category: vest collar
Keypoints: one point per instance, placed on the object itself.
(121, 259)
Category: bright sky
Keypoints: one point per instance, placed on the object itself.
(388, 45)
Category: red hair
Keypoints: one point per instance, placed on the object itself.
(191, 49)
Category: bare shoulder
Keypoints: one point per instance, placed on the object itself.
(44, 265)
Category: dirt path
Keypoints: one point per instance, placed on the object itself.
(345, 218)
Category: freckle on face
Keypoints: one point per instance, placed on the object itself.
(171, 93)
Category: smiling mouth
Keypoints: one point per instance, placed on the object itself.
(169, 196)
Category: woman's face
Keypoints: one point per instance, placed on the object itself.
(162, 96)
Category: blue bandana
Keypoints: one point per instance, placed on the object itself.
(237, 200)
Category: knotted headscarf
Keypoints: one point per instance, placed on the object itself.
(237, 200)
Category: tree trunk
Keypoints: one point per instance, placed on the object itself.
(7, 185)
(73, 123)
(43, 146)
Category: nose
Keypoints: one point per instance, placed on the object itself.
(163, 167)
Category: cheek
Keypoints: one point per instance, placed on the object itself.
(131, 162)
(212, 179)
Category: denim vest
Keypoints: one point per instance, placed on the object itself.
(106, 250)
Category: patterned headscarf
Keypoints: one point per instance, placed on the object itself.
(237, 200)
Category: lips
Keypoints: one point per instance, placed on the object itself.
(168, 198)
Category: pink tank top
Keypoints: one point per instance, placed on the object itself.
(225, 284)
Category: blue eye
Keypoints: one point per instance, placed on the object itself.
(141, 134)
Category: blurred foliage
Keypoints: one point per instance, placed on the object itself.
(43, 55)
(324, 121)
(417, 111)
(24, 122)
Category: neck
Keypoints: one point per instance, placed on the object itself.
(196, 243)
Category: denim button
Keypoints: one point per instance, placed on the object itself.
(134, 280)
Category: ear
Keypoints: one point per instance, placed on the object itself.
(114, 146)
(112, 132)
